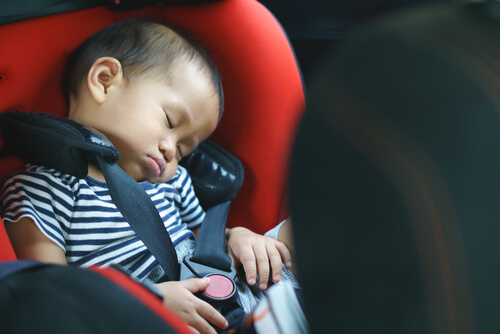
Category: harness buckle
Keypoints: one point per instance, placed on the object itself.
(222, 289)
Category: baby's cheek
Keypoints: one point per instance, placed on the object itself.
(169, 171)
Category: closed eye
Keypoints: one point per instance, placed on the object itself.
(168, 120)
(180, 152)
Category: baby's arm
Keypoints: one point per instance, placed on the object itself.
(30, 243)
(257, 253)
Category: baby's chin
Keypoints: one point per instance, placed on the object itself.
(165, 177)
(149, 176)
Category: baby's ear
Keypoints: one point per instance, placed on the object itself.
(104, 75)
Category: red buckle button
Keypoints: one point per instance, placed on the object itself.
(220, 287)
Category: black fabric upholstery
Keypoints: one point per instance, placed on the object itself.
(65, 299)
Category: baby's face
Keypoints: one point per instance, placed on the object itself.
(154, 123)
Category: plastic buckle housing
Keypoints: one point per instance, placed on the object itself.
(222, 288)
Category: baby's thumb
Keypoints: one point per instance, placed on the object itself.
(196, 284)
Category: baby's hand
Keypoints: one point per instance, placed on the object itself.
(179, 297)
(256, 252)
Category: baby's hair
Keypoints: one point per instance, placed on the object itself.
(142, 47)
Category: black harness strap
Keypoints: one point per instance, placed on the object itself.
(217, 176)
(137, 208)
(211, 244)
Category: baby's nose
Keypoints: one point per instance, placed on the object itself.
(168, 150)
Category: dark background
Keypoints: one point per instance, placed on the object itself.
(316, 26)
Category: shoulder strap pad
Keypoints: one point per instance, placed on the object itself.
(53, 141)
(217, 174)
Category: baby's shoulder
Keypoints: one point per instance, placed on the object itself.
(180, 178)
(179, 184)
(42, 175)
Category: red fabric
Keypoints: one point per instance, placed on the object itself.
(262, 83)
(6, 251)
(146, 297)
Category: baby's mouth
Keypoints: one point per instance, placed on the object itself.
(157, 166)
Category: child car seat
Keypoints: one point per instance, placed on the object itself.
(263, 88)
(264, 95)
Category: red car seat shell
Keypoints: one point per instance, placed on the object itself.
(6, 251)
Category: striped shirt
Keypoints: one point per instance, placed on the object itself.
(79, 216)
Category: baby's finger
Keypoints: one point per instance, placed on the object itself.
(285, 254)
(275, 261)
(202, 326)
(196, 284)
(262, 266)
(209, 313)
(194, 330)
(247, 259)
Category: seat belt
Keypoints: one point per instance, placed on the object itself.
(139, 211)
(211, 244)
(210, 259)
